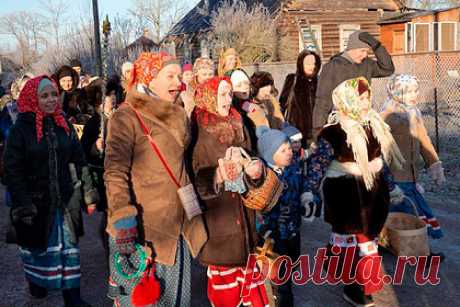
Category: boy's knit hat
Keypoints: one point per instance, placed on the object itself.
(292, 132)
(269, 141)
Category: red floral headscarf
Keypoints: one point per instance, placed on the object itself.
(227, 129)
(148, 65)
(28, 102)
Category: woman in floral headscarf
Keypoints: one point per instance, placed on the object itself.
(144, 208)
(228, 60)
(43, 161)
(405, 119)
(217, 126)
(350, 155)
(202, 70)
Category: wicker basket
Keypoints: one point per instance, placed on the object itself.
(405, 234)
(265, 197)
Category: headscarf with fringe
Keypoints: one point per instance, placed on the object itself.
(349, 114)
(228, 129)
(397, 86)
(28, 102)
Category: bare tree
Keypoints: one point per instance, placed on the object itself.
(250, 30)
(27, 29)
(123, 32)
(55, 12)
(159, 15)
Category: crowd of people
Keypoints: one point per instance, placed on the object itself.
(196, 161)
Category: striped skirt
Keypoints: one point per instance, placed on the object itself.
(225, 287)
(57, 267)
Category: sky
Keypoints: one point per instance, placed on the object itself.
(110, 7)
(105, 6)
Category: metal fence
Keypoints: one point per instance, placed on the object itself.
(439, 101)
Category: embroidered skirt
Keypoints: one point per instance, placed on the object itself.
(424, 210)
(358, 261)
(57, 267)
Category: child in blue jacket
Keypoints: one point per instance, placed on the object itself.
(284, 220)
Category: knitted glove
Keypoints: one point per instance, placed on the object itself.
(25, 214)
(370, 40)
(257, 116)
(420, 188)
(126, 234)
(306, 200)
(436, 172)
(396, 196)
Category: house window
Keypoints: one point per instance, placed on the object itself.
(345, 32)
(447, 36)
(310, 38)
(422, 35)
(409, 47)
(419, 37)
(398, 41)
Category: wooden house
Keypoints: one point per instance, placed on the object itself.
(323, 26)
(421, 31)
(141, 44)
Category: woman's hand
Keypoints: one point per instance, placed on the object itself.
(254, 169)
(100, 144)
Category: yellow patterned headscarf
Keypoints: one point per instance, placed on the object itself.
(221, 68)
(354, 114)
(346, 98)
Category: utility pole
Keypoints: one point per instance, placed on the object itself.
(97, 39)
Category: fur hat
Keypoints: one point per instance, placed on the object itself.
(269, 141)
(261, 79)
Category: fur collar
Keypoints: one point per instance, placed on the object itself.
(165, 114)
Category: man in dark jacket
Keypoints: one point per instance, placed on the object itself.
(352, 63)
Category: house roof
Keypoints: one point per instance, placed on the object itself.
(8, 65)
(194, 21)
(144, 43)
(408, 16)
(311, 5)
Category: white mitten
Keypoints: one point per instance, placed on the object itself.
(306, 200)
(396, 196)
(436, 172)
(420, 188)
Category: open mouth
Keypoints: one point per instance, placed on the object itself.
(174, 92)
